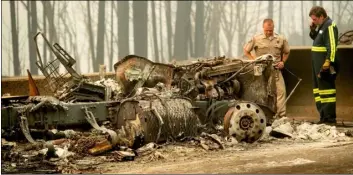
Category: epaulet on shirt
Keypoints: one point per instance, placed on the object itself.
(280, 36)
(257, 35)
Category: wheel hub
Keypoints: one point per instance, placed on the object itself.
(246, 122)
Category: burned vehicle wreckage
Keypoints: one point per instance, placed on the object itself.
(147, 101)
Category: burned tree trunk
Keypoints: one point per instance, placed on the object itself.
(229, 26)
(100, 36)
(33, 31)
(181, 30)
(49, 11)
(111, 37)
(169, 28)
(240, 26)
(270, 9)
(208, 28)
(280, 17)
(123, 29)
(44, 31)
(140, 28)
(199, 29)
(90, 33)
(161, 31)
(154, 28)
(212, 42)
(16, 59)
(216, 14)
(190, 40)
(71, 41)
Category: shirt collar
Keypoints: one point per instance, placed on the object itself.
(275, 35)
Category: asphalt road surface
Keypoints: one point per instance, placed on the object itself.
(319, 157)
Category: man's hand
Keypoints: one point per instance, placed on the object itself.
(280, 65)
(248, 54)
(312, 26)
(326, 65)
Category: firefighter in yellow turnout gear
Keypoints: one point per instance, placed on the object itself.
(324, 32)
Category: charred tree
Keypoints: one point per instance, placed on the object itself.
(213, 34)
(100, 36)
(44, 31)
(341, 10)
(90, 34)
(32, 32)
(207, 26)
(154, 29)
(49, 11)
(140, 28)
(270, 9)
(123, 29)
(199, 29)
(168, 14)
(181, 30)
(212, 40)
(111, 37)
(190, 41)
(57, 23)
(216, 29)
(349, 21)
(14, 32)
(69, 31)
(280, 17)
(333, 10)
(240, 27)
(304, 34)
(244, 27)
(29, 26)
(161, 30)
(62, 17)
(228, 25)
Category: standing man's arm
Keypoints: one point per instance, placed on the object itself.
(330, 37)
(285, 54)
(286, 50)
(248, 48)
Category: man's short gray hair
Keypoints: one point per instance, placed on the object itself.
(267, 20)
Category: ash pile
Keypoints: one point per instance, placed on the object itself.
(305, 131)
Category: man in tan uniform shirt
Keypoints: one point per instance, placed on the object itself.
(277, 45)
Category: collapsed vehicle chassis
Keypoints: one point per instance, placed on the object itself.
(237, 93)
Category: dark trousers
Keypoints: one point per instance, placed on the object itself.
(324, 90)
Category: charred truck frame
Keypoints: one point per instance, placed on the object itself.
(150, 101)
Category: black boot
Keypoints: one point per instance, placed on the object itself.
(330, 121)
(320, 122)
